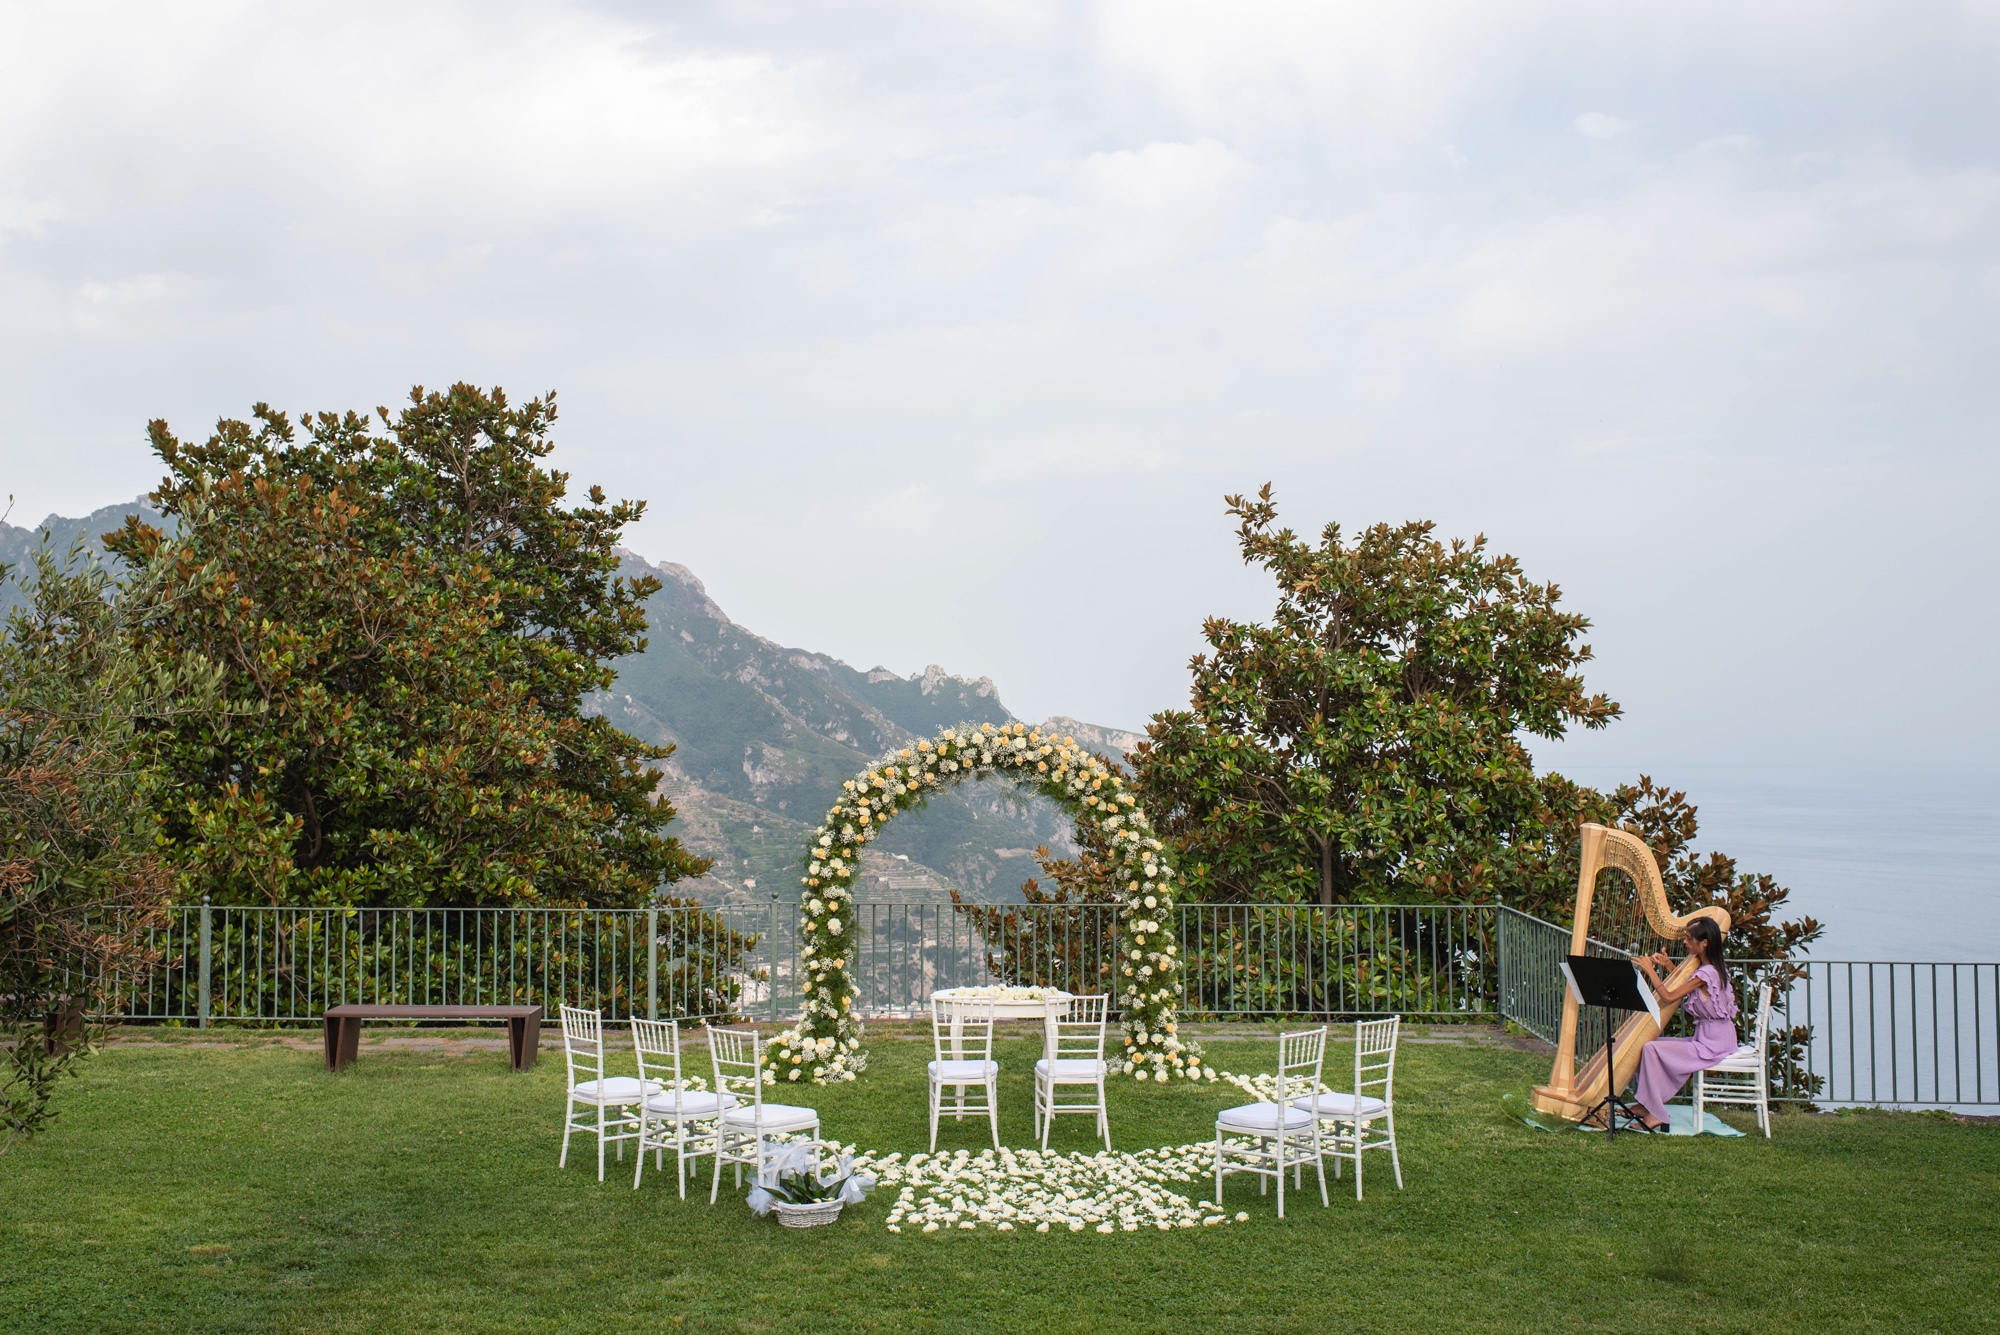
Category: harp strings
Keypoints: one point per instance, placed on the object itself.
(1617, 918)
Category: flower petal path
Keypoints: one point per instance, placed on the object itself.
(1012, 1190)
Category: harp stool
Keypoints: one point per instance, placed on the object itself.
(1744, 1076)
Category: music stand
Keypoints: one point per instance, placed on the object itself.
(1616, 985)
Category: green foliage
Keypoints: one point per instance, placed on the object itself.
(409, 626)
(79, 880)
(1364, 746)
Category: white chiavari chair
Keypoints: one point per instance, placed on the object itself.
(1073, 1058)
(744, 1133)
(1352, 1118)
(1281, 1136)
(593, 1094)
(962, 1047)
(678, 1118)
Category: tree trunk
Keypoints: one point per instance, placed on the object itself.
(1326, 873)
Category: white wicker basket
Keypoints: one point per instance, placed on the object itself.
(810, 1215)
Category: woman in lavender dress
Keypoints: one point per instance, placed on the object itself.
(1666, 1063)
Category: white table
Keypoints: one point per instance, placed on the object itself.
(963, 1003)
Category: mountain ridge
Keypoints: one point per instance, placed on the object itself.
(764, 735)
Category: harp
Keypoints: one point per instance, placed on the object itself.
(1572, 1092)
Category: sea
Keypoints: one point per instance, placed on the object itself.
(1898, 863)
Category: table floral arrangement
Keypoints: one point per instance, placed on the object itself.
(825, 1045)
(1002, 993)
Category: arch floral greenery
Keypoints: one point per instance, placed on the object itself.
(825, 1044)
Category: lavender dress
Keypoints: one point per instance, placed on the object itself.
(1666, 1063)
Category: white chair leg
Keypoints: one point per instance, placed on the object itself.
(1218, 1170)
(600, 1139)
(993, 1110)
(937, 1100)
(1395, 1159)
(1357, 1156)
(569, 1125)
(715, 1183)
(1281, 1170)
(1104, 1118)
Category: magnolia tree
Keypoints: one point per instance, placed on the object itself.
(825, 1044)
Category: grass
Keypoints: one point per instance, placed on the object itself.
(236, 1186)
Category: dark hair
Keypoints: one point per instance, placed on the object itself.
(1705, 931)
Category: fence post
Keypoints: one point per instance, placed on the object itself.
(652, 964)
(205, 948)
(771, 954)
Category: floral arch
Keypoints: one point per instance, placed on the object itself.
(825, 1044)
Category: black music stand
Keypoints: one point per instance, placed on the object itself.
(1614, 984)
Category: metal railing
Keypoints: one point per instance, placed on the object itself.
(1843, 1031)
(266, 964)
(272, 964)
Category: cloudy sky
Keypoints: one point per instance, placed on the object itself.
(936, 333)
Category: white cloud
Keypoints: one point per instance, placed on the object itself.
(1597, 125)
(1111, 450)
(800, 273)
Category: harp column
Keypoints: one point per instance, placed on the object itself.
(1562, 1079)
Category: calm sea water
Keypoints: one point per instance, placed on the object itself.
(1899, 864)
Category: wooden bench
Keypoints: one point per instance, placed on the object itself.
(343, 1028)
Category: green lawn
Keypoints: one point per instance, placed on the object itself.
(239, 1187)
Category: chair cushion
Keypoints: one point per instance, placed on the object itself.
(1341, 1105)
(618, 1089)
(951, 1071)
(1072, 1068)
(1258, 1117)
(694, 1103)
(777, 1117)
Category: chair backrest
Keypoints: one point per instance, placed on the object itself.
(1763, 1038)
(1301, 1057)
(961, 1030)
(1375, 1057)
(737, 1057)
(583, 1044)
(1073, 1030)
(657, 1044)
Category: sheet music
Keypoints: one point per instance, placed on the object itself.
(1575, 992)
(1645, 994)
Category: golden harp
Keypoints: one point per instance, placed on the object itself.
(1572, 1092)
